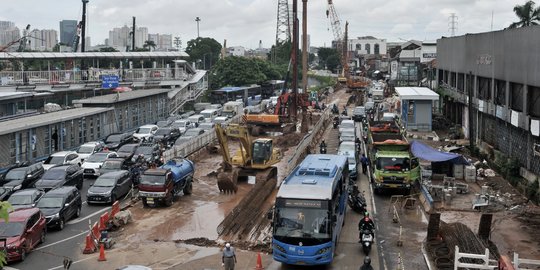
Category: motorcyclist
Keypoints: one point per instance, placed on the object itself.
(322, 147)
(366, 224)
(367, 264)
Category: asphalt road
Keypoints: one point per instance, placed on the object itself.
(67, 243)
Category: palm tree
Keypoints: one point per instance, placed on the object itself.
(527, 14)
(150, 44)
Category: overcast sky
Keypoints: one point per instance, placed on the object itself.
(245, 22)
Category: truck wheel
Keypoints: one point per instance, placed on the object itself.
(188, 189)
(169, 199)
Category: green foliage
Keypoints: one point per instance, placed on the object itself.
(150, 45)
(281, 53)
(204, 49)
(239, 71)
(329, 58)
(108, 49)
(5, 208)
(527, 14)
(532, 191)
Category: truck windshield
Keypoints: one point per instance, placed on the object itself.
(156, 180)
(393, 164)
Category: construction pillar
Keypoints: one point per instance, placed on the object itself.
(433, 226)
(294, 83)
(484, 228)
(304, 128)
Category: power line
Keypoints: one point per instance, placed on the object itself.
(453, 24)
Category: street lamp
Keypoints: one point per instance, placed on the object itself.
(197, 20)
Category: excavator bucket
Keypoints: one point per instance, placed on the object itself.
(227, 181)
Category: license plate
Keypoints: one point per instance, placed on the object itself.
(394, 186)
(300, 263)
(150, 200)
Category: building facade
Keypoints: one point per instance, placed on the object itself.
(367, 46)
(68, 31)
(43, 40)
(121, 37)
(498, 73)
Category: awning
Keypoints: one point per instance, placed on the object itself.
(428, 153)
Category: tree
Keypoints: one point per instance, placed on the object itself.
(5, 207)
(204, 49)
(329, 58)
(240, 71)
(527, 14)
(150, 44)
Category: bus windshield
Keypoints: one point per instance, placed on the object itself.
(307, 221)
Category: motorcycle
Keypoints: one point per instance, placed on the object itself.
(336, 122)
(357, 201)
(323, 150)
(366, 237)
(335, 109)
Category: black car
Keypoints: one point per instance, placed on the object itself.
(127, 151)
(109, 187)
(116, 140)
(22, 177)
(114, 164)
(164, 123)
(60, 205)
(150, 151)
(166, 135)
(26, 198)
(61, 175)
(189, 135)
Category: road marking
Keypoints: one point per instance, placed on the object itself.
(9, 268)
(75, 221)
(81, 260)
(63, 240)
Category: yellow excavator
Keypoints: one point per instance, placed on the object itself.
(255, 157)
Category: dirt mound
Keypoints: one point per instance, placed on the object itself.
(288, 140)
(243, 245)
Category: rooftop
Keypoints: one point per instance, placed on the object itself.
(114, 98)
(44, 119)
(92, 55)
(416, 93)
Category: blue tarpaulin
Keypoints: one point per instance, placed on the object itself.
(429, 153)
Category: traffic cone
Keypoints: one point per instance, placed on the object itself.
(259, 262)
(102, 253)
(90, 247)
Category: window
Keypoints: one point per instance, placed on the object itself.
(368, 48)
(484, 88)
(461, 82)
(516, 96)
(358, 47)
(533, 101)
(500, 92)
(376, 49)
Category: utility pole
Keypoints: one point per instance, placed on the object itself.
(304, 126)
(453, 24)
(133, 37)
(294, 83)
(83, 27)
(197, 20)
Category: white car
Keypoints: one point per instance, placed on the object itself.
(62, 157)
(94, 162)
(182, 125)
(145, 132)
(88, 149)
(348, 149)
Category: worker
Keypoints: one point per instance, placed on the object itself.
(228, 259)
(364, 161)
(367, 264)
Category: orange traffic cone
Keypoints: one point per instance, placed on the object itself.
(102, 253)
(90, 247)
(259, 262)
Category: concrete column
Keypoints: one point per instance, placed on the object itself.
(433, 226)
(484, 228)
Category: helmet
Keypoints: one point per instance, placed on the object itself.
(367, 260)
(366, 214)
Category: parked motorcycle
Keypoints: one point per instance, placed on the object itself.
(366, 237)
(356, 200)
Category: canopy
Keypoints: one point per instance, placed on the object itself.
(431, 154)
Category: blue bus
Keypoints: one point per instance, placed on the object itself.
(310, 211)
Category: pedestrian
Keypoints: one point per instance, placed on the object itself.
(364, 162)
(228, 259)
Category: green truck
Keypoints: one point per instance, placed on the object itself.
(393, 165)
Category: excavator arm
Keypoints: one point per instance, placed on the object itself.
(238, 132)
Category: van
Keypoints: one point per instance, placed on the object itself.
(209, 115)
(369, 106)
(197, 119)
(359, 113)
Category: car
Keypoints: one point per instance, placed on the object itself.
(221, 120)
(26, 198)
(190, 134)
(20, 178)
(346, 124)
(197, 119)
(348, 149)
(61, 175)
(114, 164)
(344, 131)
(164, 123)
(88, 149)
(145, 132)
(116, 140)
(127, 151)
(150, 151)
(92, 165)
(347, 135)
(60, 205)
(166, 135)
(182, 125)
(25, 230)
(60, 158)
(210, 114)
(206, 126)
(109, 187)
(359, 113)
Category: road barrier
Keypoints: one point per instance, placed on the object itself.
(94, 234)
(483, 257)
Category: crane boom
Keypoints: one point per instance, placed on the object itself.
(331, 13)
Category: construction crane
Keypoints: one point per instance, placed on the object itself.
(335, 22)
(22, 41)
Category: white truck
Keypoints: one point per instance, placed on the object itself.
(232, 108)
